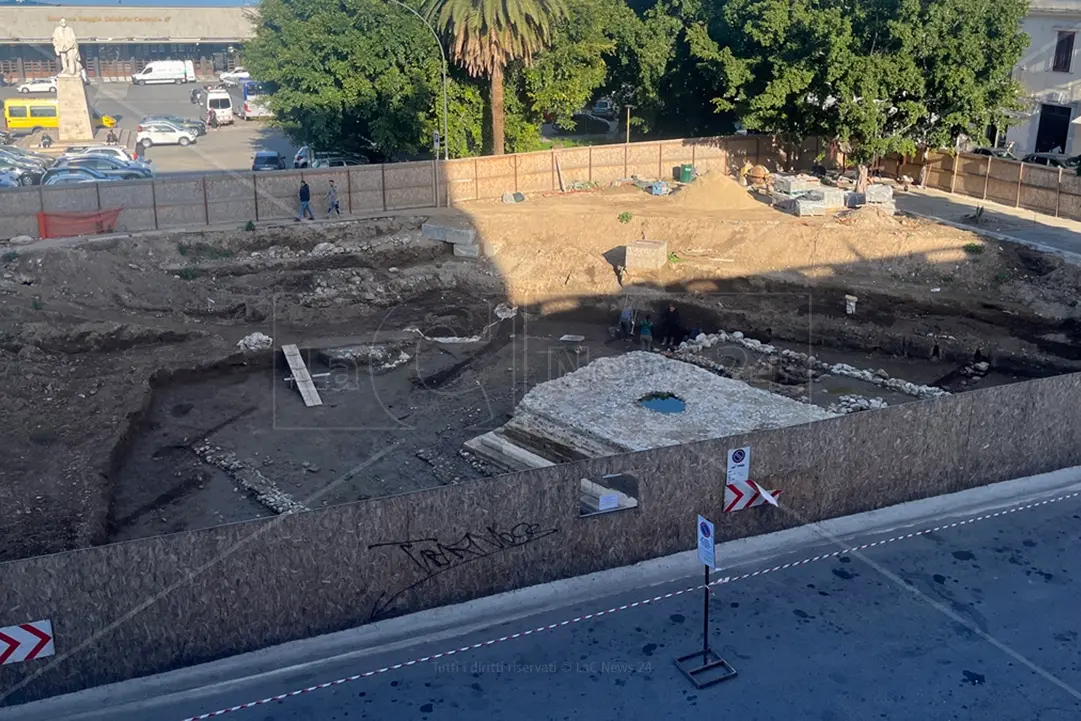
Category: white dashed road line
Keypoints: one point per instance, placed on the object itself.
(610, 611)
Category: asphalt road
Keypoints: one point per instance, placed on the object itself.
(975, 620)
(229, 148)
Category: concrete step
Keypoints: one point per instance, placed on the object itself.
(450, 231)
(500, 452)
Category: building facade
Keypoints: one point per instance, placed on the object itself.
(118, 40)
(1050, 72)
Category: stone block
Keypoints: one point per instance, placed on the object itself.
(646, 254)
(854, 199)
(464, 250)
(783, 201)
(879, 193)
(449, 232)
(810, 207)
(792, 184)
(830, 197)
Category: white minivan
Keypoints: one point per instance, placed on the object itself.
(165, 71)
(221, 102)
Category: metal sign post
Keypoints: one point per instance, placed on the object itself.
(705, 668)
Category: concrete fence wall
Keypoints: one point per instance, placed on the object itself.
(1054, 191)
(140, 607)
(224, 198)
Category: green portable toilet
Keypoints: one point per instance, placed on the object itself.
(686, 173)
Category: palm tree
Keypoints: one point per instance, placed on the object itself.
(487, 35)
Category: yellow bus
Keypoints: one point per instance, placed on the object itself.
(40, 113)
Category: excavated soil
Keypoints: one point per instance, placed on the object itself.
(121, 354)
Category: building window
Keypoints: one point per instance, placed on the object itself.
(1064, 51)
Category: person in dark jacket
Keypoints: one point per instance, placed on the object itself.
(671, 332)
(305, 196)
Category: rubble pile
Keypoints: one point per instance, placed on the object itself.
(878, 377)
(854, 403)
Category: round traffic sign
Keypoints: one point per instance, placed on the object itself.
(703, 528)
(738, 455)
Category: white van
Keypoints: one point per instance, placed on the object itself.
(221, 102)
(165, 71)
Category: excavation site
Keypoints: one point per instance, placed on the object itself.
(170, 381)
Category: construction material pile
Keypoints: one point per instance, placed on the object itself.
(806, 195)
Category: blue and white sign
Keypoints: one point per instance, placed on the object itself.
(739, 465)
(706, 543)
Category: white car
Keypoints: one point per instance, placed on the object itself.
(40, 85)
(160, 132)
(112, 151)
(234, 76)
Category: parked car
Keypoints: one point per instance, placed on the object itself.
(221, 102)
(107, 166)
(199, 126)
(56, 176)
(27, 155)
(21, 174)
(22, 161)
(267, 160)
(308, 157)
(339, 161)
(160, 132)
(996, 153)
(234, 76)
(604, 108)
(111, 151)
(6, 181)
(38, 85)
(1053, 160)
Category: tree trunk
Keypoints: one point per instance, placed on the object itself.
(861, 179)
(496, 94)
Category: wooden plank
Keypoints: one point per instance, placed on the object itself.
(301, 376)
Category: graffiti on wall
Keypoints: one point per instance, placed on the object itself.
(431, 557)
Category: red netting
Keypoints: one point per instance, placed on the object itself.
(66, 225)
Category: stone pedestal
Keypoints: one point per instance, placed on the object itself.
(646, 255)
(76, 122)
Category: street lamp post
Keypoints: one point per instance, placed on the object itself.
(442, 54)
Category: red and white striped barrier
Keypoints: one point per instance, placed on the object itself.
(26, 642)
(739, 495)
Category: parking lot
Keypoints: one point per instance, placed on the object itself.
(228, 148)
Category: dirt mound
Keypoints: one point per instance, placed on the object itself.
(869, 217)
(715, 191)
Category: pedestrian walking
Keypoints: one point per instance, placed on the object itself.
(332, 201)
(212, 119)
(305, 195)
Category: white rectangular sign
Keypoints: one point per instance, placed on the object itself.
(706, 543)
(739, 465)
(608, 501)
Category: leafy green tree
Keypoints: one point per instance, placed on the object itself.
(487, 35)
(348, 74)
(879, 76)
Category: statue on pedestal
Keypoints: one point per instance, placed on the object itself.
(67, 49)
